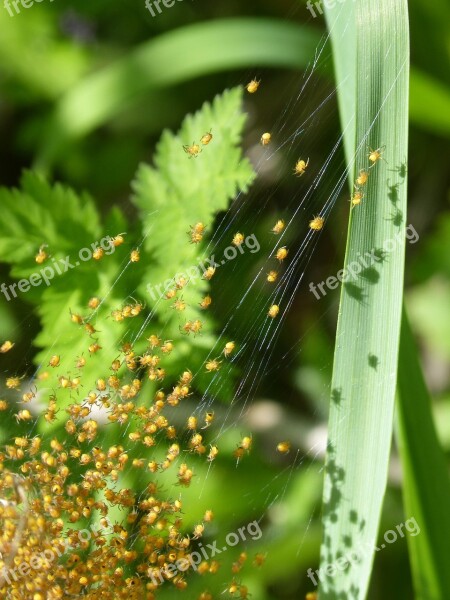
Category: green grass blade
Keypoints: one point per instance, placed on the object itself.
(343, 44)
(367, 340)
(426, 485)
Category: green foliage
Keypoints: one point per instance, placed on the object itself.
(42, 214)
(66, 223)
(435, 257)
(367, 337)
(430, 103)
(180, 191)
(171, 196)
(86, 90)
(426, 488)
(22, 48)
(156, 65)
(432, 270)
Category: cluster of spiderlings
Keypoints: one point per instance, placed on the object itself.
(374, 156)
(128, 311)
(60, 492)
(195, 326)
(53, 489)
(243, 448)
(196, 233)
(214, 364)
(66, 483)
(235, 587)
(195, 149)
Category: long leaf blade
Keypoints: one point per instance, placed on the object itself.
(426, 485)
(367, 340)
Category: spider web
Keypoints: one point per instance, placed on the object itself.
(261, 353)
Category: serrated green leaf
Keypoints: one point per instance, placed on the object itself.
(180, 191)
(185, 190)
(39, 214)
(172, 196)
(59, 336)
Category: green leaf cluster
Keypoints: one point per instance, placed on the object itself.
(172, 195)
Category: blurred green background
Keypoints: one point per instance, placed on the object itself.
(85, 92)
